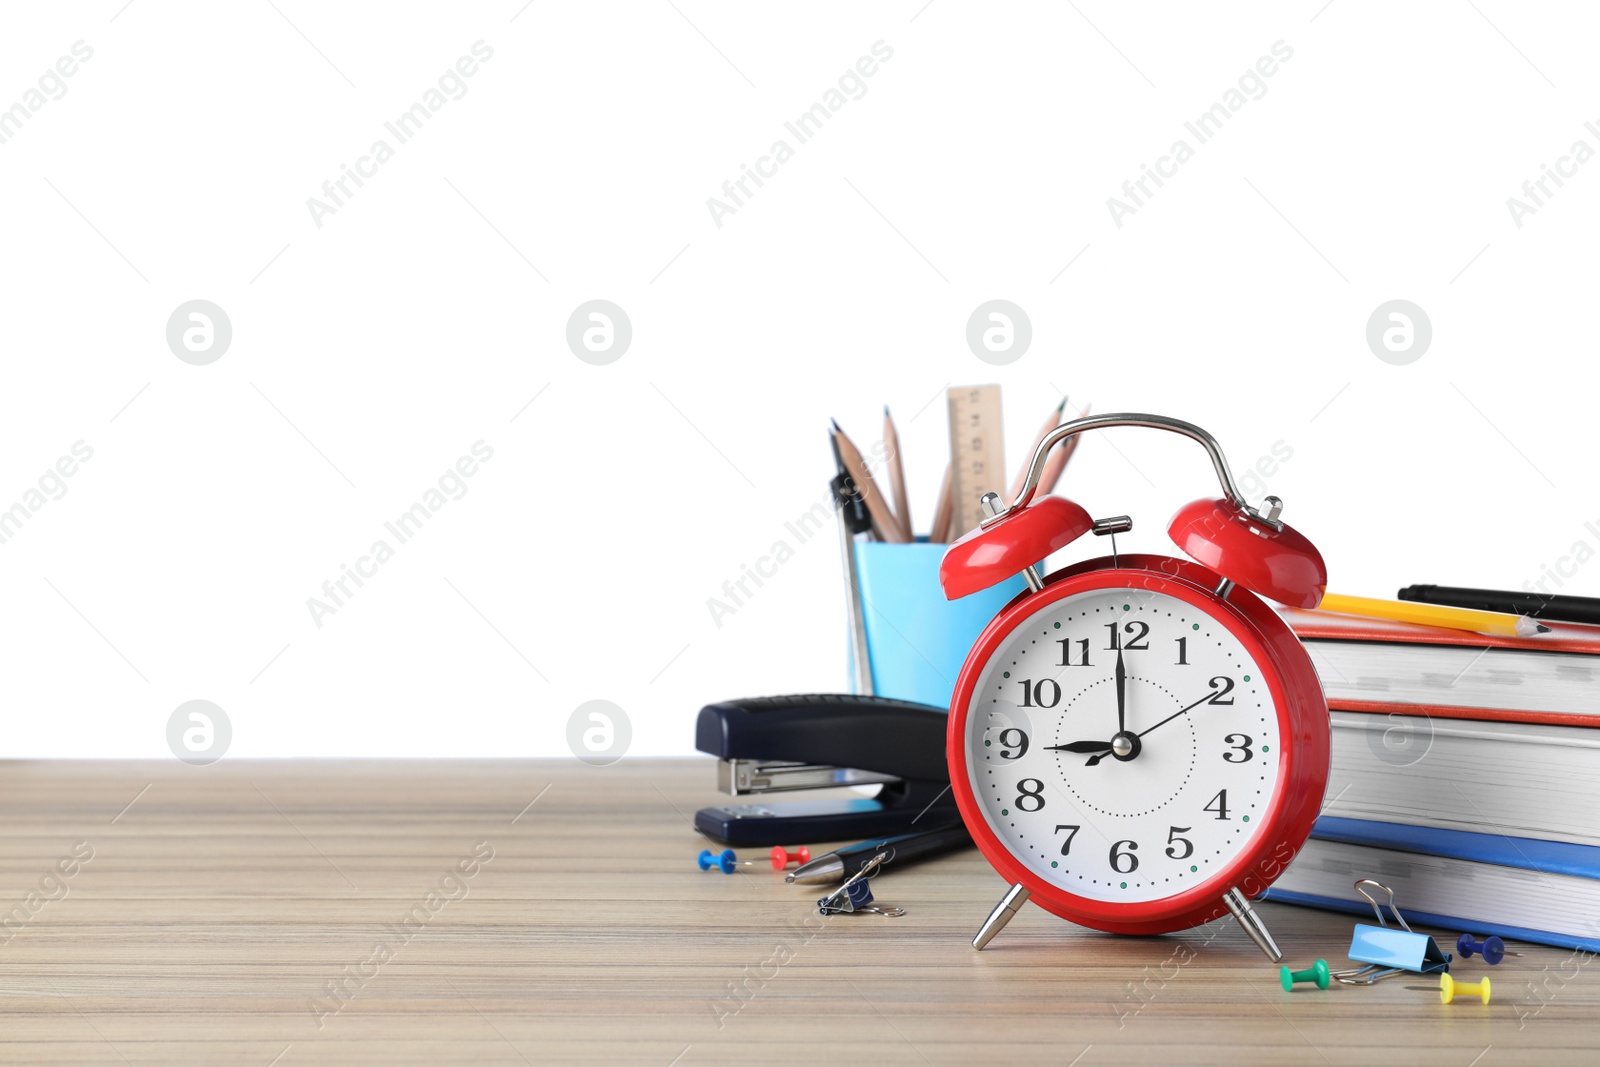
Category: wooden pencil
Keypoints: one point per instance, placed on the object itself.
(883, 519)
(944, 510)
(897, 474)
(1058, 461)
(1049, 424)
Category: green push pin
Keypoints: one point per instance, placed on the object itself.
(1318, 972)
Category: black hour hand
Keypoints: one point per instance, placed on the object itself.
(1082, 746)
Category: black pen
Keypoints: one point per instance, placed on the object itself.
(839, 865)
(1551, 607)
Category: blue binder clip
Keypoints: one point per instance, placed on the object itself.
(1386, 951)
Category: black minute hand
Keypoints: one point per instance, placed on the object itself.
(1122, 693)
(1104, 747)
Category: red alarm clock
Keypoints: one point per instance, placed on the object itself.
(1138, 743)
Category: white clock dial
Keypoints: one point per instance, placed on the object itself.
(1140, 810)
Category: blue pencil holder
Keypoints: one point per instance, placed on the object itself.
(916, 639)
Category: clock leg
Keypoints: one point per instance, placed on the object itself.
(1252, 923)
(1009, 904)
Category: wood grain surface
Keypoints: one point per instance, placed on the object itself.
(512, 912)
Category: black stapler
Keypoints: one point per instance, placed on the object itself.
(774, 744)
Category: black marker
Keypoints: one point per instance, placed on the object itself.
(1547, 606)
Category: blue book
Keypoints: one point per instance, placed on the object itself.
(1552, 857)
(1544, 892)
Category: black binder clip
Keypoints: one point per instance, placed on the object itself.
(778, 744)
(855, 895)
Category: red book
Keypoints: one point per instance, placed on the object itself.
(1378, 665)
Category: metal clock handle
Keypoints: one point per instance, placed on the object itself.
(1154, 422)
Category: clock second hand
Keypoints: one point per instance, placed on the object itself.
(1101, 749)
(1203, 700)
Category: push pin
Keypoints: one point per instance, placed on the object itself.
(855, 895)
(725, 860)
(782, 857)
(1491, 948)
(1318, 972)
(1449, 987)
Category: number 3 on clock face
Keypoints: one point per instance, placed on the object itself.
(1123, 749)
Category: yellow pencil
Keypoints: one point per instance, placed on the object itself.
(1483, 622)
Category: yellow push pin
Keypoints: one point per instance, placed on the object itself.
(1449, 987)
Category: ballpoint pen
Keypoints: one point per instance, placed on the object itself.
(904, 848)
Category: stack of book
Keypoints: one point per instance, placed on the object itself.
(1466, 777)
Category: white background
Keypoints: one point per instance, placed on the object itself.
(368, 354)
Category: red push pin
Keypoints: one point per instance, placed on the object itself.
(782, 857)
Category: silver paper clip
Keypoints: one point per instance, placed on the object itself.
(1387, 952)
(855, 895)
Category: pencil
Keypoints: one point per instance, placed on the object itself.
(897, 474)
(882, 518)
(1483, 622)
(943, 510)
(1050, 423)
(1058, 460)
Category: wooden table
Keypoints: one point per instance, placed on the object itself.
(332, 912)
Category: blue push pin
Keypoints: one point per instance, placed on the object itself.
(726, 860)
(1491, 948)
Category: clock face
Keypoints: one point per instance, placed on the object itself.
(1128, 805)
